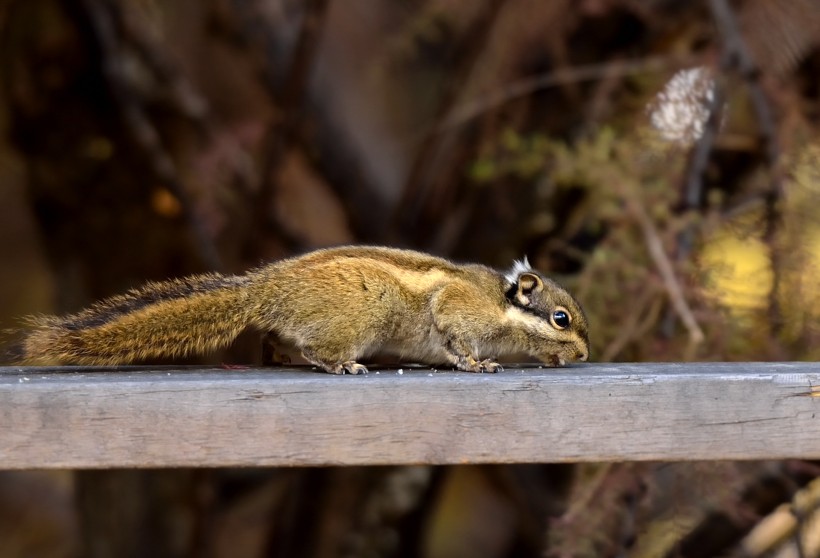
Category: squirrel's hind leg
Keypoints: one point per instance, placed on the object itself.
(271, 355)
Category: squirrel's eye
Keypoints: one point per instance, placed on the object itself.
(560, 318)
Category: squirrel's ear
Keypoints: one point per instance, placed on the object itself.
(527, 284)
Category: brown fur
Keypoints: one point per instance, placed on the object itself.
(336, 305)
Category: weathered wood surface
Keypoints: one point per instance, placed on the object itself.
(168, 417)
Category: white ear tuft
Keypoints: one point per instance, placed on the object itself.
(518, 267)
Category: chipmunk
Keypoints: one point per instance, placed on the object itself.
(337, 306)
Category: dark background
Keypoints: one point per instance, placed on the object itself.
(151, 139)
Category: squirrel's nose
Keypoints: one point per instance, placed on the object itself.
(582, 356)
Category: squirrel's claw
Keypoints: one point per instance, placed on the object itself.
(348, 367)
(490, 366)
(470, 364)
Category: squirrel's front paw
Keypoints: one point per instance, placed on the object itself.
(348, 367)
(469, 364)
(490, 366)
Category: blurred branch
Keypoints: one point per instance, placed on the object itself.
(182, 94)
(244, 26)
(666, 270)
(143, 132)
(286, 129)
(787, 520)
(642, 317)
(798, 536)
(693, 183)
(722, 529)
(180, 91)
(601, 512)
(472, 44)
(737, 56)
(413, 524)
(303, 59)
(531, 497)
(468, 111)
(587, 493)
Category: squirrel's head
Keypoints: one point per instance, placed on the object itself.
(549, 310)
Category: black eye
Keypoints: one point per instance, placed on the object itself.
(560, 318)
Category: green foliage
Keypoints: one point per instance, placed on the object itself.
(630, 181)
(516, 155)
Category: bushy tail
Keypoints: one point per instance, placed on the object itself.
(159, 320)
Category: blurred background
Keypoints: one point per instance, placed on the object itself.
(661, 158)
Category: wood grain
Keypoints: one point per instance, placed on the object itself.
(167, 417)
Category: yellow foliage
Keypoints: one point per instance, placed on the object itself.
(737, 272)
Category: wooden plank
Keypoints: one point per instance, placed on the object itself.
(169, 417)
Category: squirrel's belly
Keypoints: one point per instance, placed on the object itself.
(423, 344)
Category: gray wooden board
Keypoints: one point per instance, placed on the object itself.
(168, 417)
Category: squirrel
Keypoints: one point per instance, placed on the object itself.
(335, 305)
